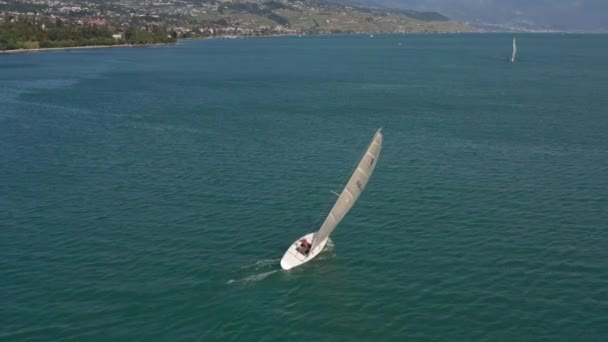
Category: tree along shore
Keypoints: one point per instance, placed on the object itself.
(33, 35)
(81, 48)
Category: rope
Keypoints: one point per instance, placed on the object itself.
(343, 184)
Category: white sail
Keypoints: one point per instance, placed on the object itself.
(514, 50)
(351, 191)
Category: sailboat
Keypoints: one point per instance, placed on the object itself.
(514, 51)
(303, 250)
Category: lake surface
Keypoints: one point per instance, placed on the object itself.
(149, 193)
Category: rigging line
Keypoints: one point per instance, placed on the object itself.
(332, 200)
(315, 224)
(354, 167)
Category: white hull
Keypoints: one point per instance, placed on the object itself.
(292, 258)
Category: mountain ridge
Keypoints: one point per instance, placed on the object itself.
(513, 15)
(242, 17)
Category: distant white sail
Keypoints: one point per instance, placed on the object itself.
(514, 50)
(351, 191)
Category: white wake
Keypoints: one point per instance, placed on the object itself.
(268, 266)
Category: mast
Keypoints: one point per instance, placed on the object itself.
(351, 191)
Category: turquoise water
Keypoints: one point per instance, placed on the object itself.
(148, 193)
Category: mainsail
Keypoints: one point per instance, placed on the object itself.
(514, 50)
(351, 191)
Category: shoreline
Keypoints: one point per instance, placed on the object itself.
(261, 36)
(82, 48)
(205, 38)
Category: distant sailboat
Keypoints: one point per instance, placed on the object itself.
(514, 51)
(303, 250)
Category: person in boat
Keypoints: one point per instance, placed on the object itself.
(304, 247)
